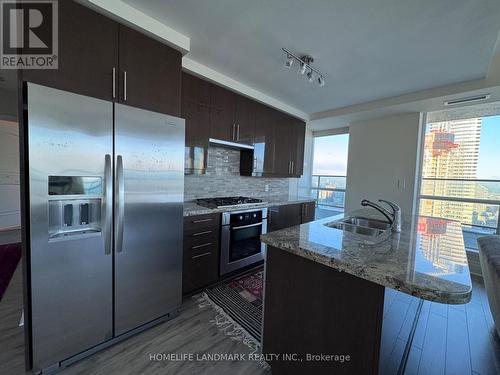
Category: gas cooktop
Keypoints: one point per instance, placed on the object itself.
(227, 202)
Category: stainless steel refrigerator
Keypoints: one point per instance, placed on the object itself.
(104, 248)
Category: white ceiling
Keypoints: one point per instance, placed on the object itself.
(368, 49)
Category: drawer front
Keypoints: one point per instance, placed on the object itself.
(201, 269)
(199, 247)
(194, 224)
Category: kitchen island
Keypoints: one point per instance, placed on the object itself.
(324, 289)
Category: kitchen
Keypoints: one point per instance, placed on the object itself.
(167, 220)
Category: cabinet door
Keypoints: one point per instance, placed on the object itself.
(150, 73)
(88, 51)
(308, 212)
(284, 145)
(245, 120)
(195, 109)
(264, 140)
(299, 134)
(286, 216)
(222, 107)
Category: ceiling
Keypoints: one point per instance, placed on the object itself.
(368, 50)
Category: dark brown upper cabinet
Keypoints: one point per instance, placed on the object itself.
(195, 109)
(149, 74)
(222, 106)
(283, 146)
(244, 119)
(299, 134)
(88, 52)
(262, 163)
(98, 57)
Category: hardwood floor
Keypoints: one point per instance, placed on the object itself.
(449, 339)
(190, 332)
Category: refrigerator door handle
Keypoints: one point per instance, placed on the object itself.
(107, 203)
(119, 204)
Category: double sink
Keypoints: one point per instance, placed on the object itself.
(370, 231)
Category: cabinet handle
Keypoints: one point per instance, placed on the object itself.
(233, 136)
(202, 233)
(238, 134)
(202, 245)
(292, 166)
(201, 255)
(289, 166)
(114, 82)
(125, 85)
(201, 221)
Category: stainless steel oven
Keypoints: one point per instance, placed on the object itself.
(240, 239)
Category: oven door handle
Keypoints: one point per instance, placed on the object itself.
(247, 226)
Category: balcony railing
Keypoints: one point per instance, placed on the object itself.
(329, 192)
(475, 203)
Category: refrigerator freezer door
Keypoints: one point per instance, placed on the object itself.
(149, 196)
(70, 139)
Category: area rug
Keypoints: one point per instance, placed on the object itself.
(238, 303)
(10, 254)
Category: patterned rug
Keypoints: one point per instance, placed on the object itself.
(10, 255)
(239, 306)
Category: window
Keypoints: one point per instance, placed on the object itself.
(461, 175)
(329, 174)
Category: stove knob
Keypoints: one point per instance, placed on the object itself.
(241, 217)
(254, 215)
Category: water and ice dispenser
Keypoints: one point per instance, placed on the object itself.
(74, 206)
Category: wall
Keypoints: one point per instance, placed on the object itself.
(222, 179)
(9, 175)
(383, 159)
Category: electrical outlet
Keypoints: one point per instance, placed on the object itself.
(266, 187)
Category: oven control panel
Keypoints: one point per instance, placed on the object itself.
(245, 218)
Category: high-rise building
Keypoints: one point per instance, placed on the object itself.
(451, 151)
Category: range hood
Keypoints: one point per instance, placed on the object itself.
(228, 144)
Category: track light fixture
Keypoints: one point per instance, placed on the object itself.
(304, 62)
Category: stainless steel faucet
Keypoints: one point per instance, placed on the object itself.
(393, 217)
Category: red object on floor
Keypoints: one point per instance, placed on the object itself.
(10, 254)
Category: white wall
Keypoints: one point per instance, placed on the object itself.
(383, 159)
(9, 175)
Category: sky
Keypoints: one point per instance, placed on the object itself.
(330, 155)
(489, 149)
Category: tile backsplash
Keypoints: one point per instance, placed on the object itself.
(222, 179)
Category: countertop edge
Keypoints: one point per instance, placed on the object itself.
(450, 298)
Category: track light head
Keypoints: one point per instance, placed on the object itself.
(310, 76)
(302, 68)
(289, 61)
(321, 81)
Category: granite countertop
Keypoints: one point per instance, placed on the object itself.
(426, 260)
(192, 209)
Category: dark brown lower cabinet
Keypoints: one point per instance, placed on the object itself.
(289, 215)
(201, 252)
(308, 212)
(312, 311)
